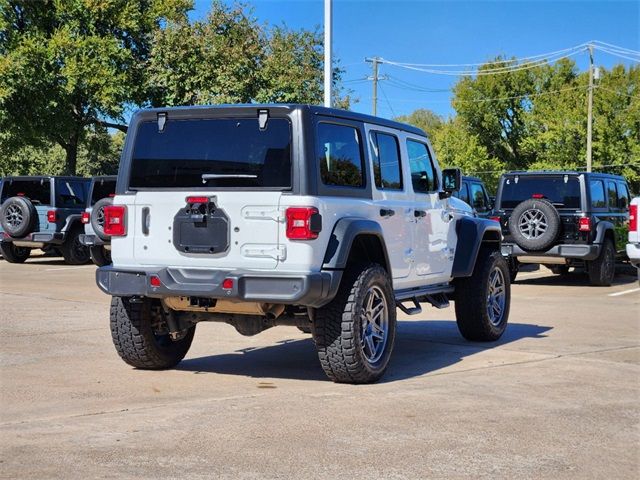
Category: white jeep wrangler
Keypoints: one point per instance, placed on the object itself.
(291, 215)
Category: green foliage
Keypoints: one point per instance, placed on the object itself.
(536, 119)
(231, 58)
(68, 64)
(424, 119)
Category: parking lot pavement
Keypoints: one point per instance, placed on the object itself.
(556, 397)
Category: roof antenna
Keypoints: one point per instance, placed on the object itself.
(162, 121)
(263, 118)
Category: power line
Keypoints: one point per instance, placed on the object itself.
(530, 58)
(387, 99)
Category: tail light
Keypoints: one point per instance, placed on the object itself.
(303, 223)
(584, 224)
(227, 283)
(537, 195)
(192, 200)
(52, 216)
(495, 219)
(633, 217)
(115, 220)
(155, 281)
(85, 217)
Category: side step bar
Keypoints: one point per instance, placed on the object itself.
(436, 295)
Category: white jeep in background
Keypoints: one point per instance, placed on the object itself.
(291, 215)
(633, 247)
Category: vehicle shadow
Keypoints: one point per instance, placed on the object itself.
(421, 347)
(576, 279)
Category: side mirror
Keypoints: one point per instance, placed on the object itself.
(451, 181)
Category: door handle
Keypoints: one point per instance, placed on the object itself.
(145, 220)
(387, 212)
(419, 213)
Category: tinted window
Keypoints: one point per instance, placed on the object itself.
(612, 194)
(597, 194)
(562, 190)
(479, 200)
(101, 189)
(38, 191)
(463, 194)
(386, 161)
(422, 174)
(212, 153)
(70, 193)
(623, 196)
(339, 154)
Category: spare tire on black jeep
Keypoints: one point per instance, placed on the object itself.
(534, 224)
(18, 216)
(97, 217)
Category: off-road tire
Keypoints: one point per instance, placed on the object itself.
(337, 327)
(602, 270)
(135, 341)
(472, 298)
(73, 251)
(97, 217)
(546, 239)
(13, 254)
(100, 256)
(18, 206)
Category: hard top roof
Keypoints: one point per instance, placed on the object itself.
(561, 172)
(313, 109)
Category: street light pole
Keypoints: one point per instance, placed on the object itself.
(590, 109)
(328, 71)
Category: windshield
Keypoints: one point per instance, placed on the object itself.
(37, 190)
(562, 190)
(212, 153)
(102, 188)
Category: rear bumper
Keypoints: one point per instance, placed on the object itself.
(308, 289)
(92, 240)
(37, 238)
(633, 252)
(582, 252)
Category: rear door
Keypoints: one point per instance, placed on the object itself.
(208, 192)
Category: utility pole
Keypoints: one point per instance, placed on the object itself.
(590, 109)
(328, 71)
(375, 61)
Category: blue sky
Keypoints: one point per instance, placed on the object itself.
(449, 32)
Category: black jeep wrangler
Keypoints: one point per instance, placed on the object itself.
(564, 219)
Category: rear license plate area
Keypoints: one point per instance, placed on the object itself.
(201, 228)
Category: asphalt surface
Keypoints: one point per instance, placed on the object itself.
(556, 397)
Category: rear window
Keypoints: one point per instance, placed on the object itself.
(102, 189)
(225, 153)
(36, 190)
(71, 193)
(562, 190)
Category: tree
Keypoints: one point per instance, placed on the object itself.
(422, 118)
(67, 65)
(493, 106)
(455, 146)
(231, 58)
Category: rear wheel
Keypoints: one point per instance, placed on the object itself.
(140, 335)
(14, 254)
(355, 332)
(602, 270)
(100, 256)
(73, 251)
(483, 299)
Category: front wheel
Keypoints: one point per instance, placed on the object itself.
(602, 270)
(483, 299)
(100, 256)
(141, 336)
(355, 332)
(13, 254)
